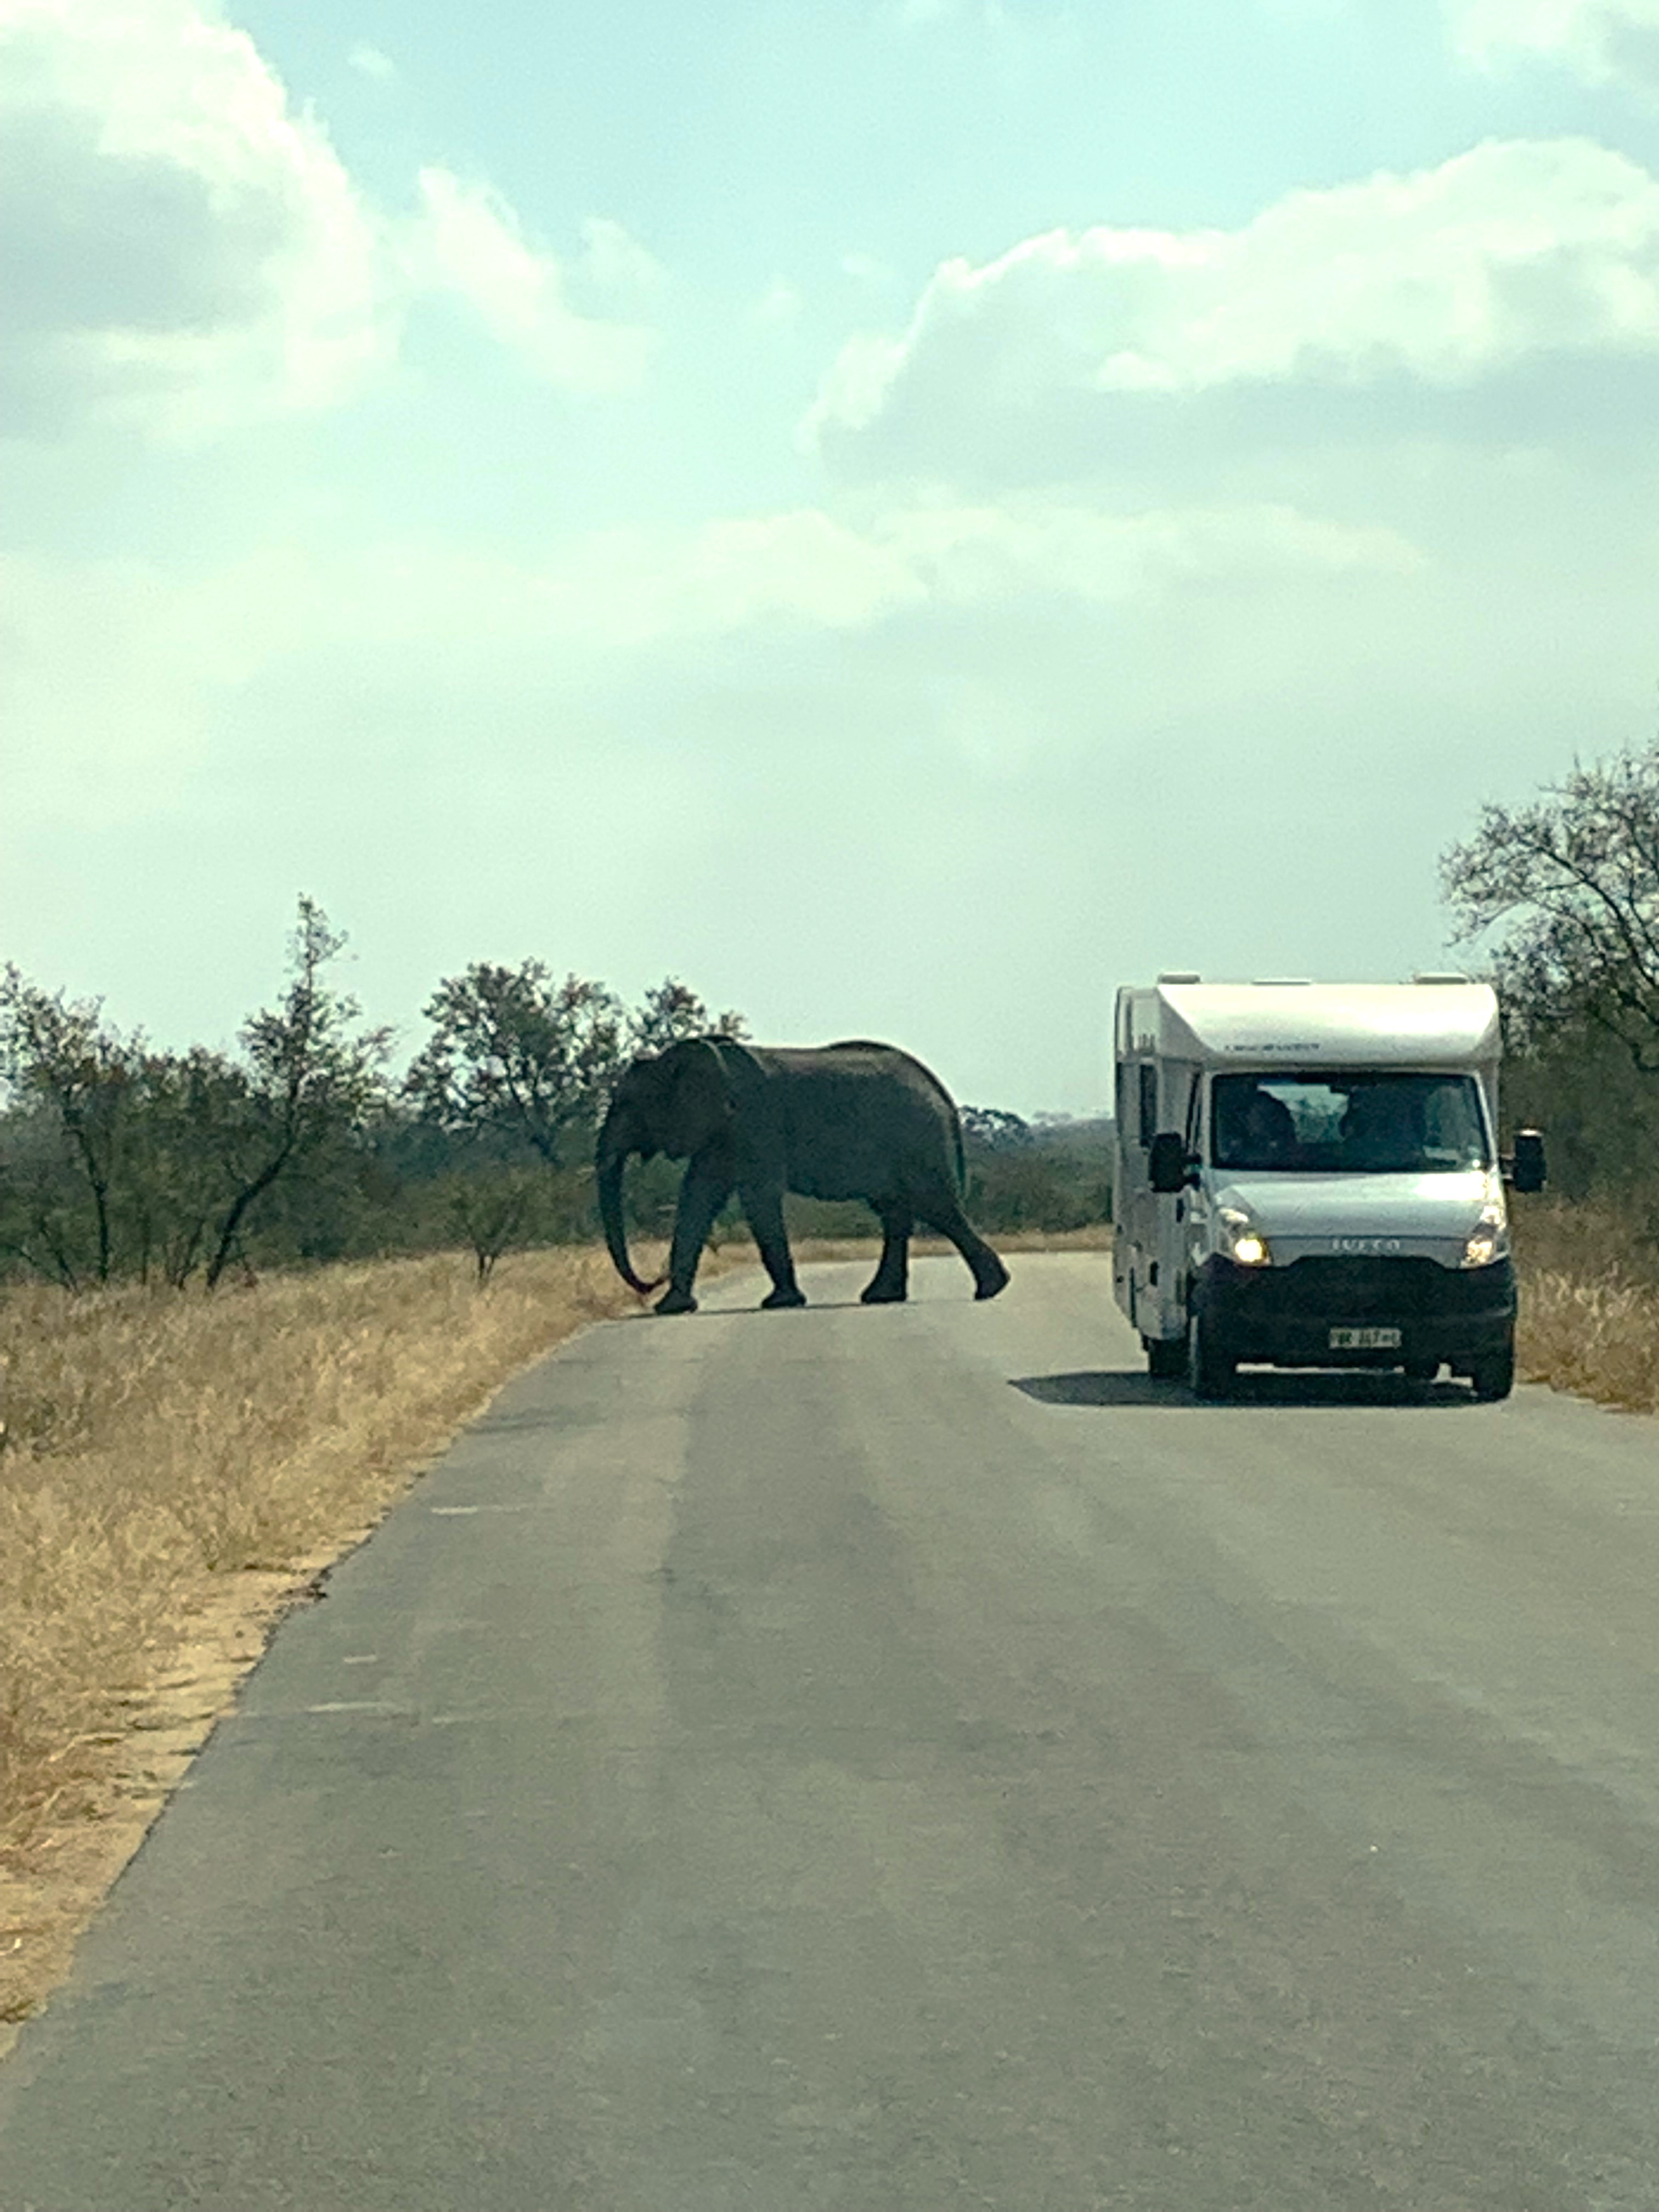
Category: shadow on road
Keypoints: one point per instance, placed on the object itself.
(1130, 1387)
(1134, 1387)
(812, 1305)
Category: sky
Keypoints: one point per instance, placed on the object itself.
(904, 514)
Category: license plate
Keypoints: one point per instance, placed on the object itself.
(1365, 1340)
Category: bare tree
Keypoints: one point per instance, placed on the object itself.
(311, 1072)
(1574, 878)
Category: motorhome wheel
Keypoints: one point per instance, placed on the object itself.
(1166, 1358)
(1211, 1373)
(1493, 1377)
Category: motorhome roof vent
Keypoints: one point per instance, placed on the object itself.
(1439, 975)
(1281, 983)
(1181, 975)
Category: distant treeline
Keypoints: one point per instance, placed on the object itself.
(119, 1160)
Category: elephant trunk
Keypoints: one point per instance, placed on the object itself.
(612, 1155)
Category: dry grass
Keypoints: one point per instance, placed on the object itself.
(175, 1469)
(157, 1444)
(1590, 1302)
(155, 1441)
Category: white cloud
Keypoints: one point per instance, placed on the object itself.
(1603, 39)
(1002, 671)
(369, 61)
(114, 730)
(1036, 548)
(468, 242)
(615, 591)
(1512, 251)
(184, 252)
(779, 304)
(615, 261)
(180, 247)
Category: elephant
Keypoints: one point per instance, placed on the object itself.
(853, 1120)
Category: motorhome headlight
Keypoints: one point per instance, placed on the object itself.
(1242, 1241)
(1489, 1239)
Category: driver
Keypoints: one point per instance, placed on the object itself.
(1383, 1124)
(1261, 1130)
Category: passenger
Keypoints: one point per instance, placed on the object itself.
(1259, 1131)
(1272, 1131)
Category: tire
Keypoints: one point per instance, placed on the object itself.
(1493, 1377)
(1210, 1373)
(1166, 1358)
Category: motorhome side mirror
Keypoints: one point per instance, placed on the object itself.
(1166, 1162)
(1529, 1171)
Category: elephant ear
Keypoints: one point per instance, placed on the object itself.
(697, 1106)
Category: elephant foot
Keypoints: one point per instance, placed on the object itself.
(676, 1302)
(779, 1299)
(882, 1294)
(988, 1285)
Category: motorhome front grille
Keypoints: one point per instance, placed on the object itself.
(1354, 1287)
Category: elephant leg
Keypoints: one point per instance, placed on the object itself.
(702, 1194)
(942, 1212)
(890, 1285)
(764, 1206)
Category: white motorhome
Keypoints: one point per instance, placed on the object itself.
(1308, 1175)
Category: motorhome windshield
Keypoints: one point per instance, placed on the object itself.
(1362, 1120)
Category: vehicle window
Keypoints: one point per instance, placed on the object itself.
(1360, 1121)
(1148, 1103)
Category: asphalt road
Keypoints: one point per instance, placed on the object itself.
(899, 1758)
